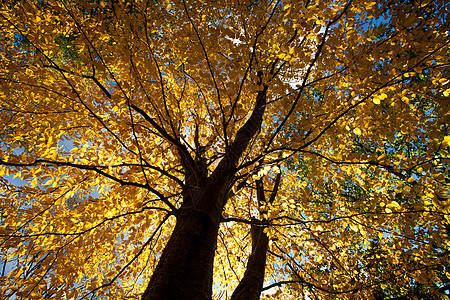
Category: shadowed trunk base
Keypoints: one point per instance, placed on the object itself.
(185, 269)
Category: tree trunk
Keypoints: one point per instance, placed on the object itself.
(251, 284)
(185, 269)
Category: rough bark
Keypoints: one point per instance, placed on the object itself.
(185, 268)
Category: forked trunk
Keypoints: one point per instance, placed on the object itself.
(185, 269)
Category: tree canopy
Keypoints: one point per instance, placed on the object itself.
(219, 149)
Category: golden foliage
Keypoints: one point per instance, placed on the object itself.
(96, 98)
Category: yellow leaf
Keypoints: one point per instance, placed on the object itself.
(55, 183)
(446, 141)
(357, 131)
(393, 204)
(376, 101)
(33, 183)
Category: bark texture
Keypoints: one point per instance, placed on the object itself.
(185, 268)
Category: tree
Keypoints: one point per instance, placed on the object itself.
(212, 146)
